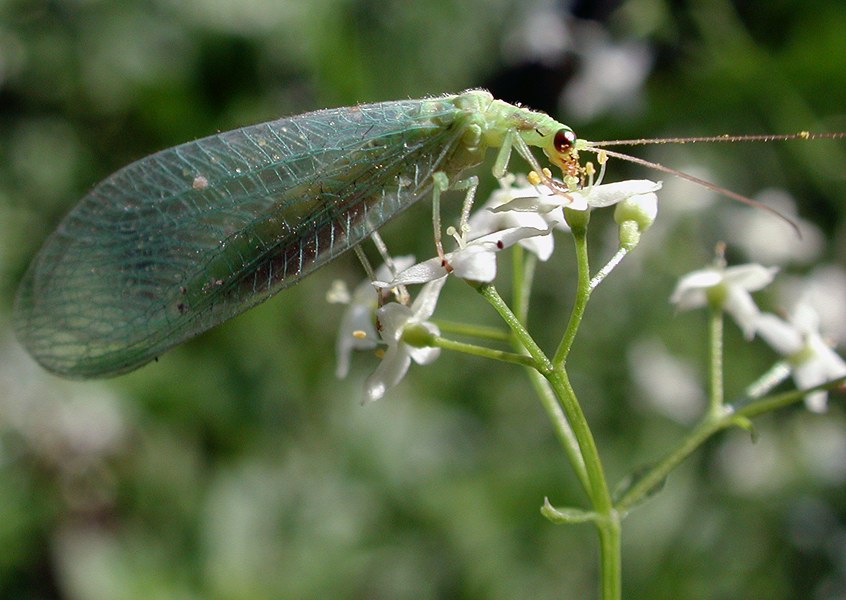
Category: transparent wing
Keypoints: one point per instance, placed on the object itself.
(181, 240)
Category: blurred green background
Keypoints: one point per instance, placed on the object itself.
(238, 467)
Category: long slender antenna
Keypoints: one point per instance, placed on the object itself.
(779, 137)
(692, 178)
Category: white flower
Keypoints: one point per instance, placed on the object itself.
(727, 288)
(754, 232)
(811, 359)
(394, 319)
(610, 76)
(475, 260)
(546, 200)
(488, 219)
(357, 330)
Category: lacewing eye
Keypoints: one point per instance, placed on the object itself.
(564, 140)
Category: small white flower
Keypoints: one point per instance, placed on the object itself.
(549, 203)
(357, 330)
(395, 318)
(728, 288)
(475, 260)
(754, 232)
(488, 219)
(811, 359)
(609, 194)
(546, 200)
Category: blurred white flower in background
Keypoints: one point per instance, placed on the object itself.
(726, 287)
(61, 421)
(767, 239)
(610, 76)
(823, 289)
(667, 384)
(812, 360)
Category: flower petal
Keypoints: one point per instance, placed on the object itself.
(477, 262)
(390, 372)
(357, 317)
(392, 318)
(752, 277)
(423, 272)
(781, 335)
(599, 196)
(424, 305)
(742, 308)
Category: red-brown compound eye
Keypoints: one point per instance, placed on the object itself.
(564, 140)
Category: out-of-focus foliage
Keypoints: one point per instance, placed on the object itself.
(238, 467)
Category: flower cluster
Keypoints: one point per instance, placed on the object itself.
(526, 211)
(524, 214)
(809, 358)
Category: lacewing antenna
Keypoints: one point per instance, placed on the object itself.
(764, 137)
(599, 147)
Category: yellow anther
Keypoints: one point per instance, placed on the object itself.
(533, 178)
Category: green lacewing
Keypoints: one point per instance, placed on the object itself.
(184, 239)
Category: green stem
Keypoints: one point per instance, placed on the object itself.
(608, 523)
(610, 554)
(525, 339)
(712, 423)
(715, 367)
(714, 420)
(651, 480)
(561, 426)
(524, 270)
(524, 275)
(473, 349)
(477, 331)
(770, 403)
(582, 297)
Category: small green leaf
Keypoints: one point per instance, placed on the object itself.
(567, 515)
(747, 425)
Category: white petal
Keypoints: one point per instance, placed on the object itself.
(426, 301)
(702, 279)
(809, 374)
(509, 237)
(475, 263)
(781, 335)
(389, 372)
(356, 318)
(648, 204)
(600, 196)
(817, 401)
(831, 362)
(752, 277)
(424, 356)
(393, 317)
(423, 272)
(525, 204)
(805, 317)
(687, 298)
(742, 308)
(400, 264)
(539, 245)
(642, 209)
